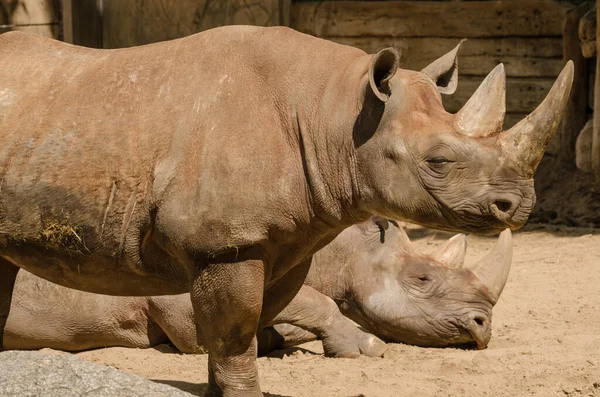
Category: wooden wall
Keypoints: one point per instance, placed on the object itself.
(136, 22)
(525, 35)
(34, 16)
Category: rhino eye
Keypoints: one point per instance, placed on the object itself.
(424, 278)
(438, 161)
(439, 165)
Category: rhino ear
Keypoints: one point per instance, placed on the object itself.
(381, 222)
(383, 67)
(444, 71)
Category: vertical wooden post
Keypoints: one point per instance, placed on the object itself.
(67, 20)
(82, 22)
(596, 132)
(285, 8)
(575, 115)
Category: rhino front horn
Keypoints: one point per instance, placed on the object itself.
(526, 142)
(492, 270)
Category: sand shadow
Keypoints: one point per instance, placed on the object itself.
(416, 233)
(167, 348)
(196, 389)
(280, 353)
(558, 230)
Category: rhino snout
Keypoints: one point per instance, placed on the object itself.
(479, 327)
(510, 209)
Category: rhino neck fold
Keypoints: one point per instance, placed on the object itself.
(324, 127)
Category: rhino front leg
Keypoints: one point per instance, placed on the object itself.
(8, 275)
(227, 300)
(315, 312)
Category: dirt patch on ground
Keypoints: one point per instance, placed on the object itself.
(546, 338)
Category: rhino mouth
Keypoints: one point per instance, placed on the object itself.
(475, 336)
(475, 220)
(470, 335)
(480, 342)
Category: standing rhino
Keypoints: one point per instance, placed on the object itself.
(370, 271)
(219, 163)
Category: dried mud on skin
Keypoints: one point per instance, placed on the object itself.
(546, 338)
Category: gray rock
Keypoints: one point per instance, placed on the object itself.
(33, 374)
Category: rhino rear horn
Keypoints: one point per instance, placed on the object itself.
(444, 71)
(526, 142)
(483, 114)
(492, 270)
(453, 252)
(403, 241)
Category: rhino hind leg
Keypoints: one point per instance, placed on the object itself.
(174, 315)
(281, 336)
(8, 275)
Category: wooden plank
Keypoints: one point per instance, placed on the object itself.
(575, 115)
(43, 30)
(522, 57)
(67, 20)
(513, 118)
(430, 48)
(522, 95)
(33, 16)
(515, 66)
(426, 19)
(284, 12)
(87, 23)
(135, 22)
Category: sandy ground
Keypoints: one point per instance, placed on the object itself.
(546, 339)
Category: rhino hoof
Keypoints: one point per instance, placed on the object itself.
(373, 347)
(352, 343)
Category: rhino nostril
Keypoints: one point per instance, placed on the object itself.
(503, 210)
(478, 327)
(503, 205)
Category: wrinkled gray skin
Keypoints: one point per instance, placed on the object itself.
(220, 163)
(370, 270)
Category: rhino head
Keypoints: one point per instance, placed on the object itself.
(404, 296)
(460, 172)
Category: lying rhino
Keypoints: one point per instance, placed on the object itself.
(371, 271)
(219, 163)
